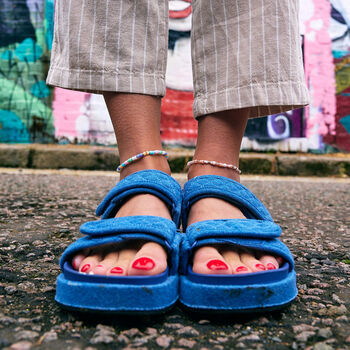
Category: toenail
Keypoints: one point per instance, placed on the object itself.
(74, 265)
(143, 264)
(241, 268)
(260, 266)
(217, 265)
(117, 269)
(85, 268)
(271, 266)
(279, 260)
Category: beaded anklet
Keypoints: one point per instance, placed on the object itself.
(140, 156)
(213, 163)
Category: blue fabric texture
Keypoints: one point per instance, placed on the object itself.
(224, 188)
(257, 231)
(145, 295)
(153, 182)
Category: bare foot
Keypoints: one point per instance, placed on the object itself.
(138, 258)
(225, 259)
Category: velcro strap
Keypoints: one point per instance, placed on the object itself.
(153, 182)
(228, 228)
(151, 225)
(223, 188)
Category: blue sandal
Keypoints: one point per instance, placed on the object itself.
(266, 290)
(126, 294)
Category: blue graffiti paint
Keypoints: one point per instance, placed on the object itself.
(49, 14)
(28, 50)
(15, 24)
(339, 54)
(40, 89)
(12, 129)
(7, 55)
(345, 121)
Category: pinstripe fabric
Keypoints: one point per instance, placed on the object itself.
(265, 70)
(97, 49)
(245, 53)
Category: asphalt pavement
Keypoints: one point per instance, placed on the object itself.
(41, 211)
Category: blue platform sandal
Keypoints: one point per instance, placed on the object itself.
(126, 294)
(251, 292)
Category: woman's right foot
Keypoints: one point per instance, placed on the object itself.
(137, 258)
(225, 259)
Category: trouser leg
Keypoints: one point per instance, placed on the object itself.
(247, 54)
(111, 45)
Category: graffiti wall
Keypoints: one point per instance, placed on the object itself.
(25, 100)
(30, 111)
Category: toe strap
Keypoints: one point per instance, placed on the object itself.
(260, 235)
(271, 246)
(117, 230)
(224, 228)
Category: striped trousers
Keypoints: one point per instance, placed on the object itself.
(245, 53)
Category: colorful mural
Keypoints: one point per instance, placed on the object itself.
(340, 35)
(30, 111)
(25, 100)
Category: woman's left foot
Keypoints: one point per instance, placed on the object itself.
(226, 259)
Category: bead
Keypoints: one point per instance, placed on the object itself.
(214, 163)
(141, 155)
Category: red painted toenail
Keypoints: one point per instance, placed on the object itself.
(217, 265)
(85, 268)
(74, 265)
(117, 269)
(279, 260)
(271, 266)
(143, 264)
(241, 268)
(260, 266)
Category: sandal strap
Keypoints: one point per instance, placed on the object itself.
(273, 246)
(223, 188)
(141, 224)
(153, 182)
(118, 230)
(227, 228)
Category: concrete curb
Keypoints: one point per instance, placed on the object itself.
(85, 157)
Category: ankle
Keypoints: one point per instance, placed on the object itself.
(149, 162)
(204, 169)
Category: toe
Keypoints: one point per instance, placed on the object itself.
(233, 258)
(76, 261)
(208, 260)
(106, 263)
(269, 261)
(151, 259)
(248, 258)
(120, 266)
(89, 263)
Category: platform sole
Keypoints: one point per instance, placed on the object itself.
(117, 298)
(238, 298)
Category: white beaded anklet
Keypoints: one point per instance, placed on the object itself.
(213, 163)
(140, 156)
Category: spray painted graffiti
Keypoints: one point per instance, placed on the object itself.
(340, 35)
(32, 112)
(25, 101)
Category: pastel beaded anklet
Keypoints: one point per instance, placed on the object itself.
(213, 163)
(140, 156)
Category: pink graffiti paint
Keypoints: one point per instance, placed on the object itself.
(67, 108)
(319, 71)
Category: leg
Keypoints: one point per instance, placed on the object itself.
(136, 121)
(118, 48)
(246, 59)
(219, 138)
